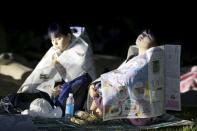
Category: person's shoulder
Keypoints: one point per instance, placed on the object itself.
(79, 43)
(78, 46)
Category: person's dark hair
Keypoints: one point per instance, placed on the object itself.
(58, 29)
(151, 34)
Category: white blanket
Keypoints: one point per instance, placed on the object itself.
(73, 62)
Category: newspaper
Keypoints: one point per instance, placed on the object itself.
(172, 77)
(137, 89)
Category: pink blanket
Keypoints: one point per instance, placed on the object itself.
(189, 80)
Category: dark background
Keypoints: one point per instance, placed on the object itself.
(111, 29)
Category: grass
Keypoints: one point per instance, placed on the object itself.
(184, 128)
(187, 113)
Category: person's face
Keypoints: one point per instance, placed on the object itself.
(60, 42)
(57, 90)
(144, 40)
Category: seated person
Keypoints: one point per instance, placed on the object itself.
(144, 41)
(68, 58)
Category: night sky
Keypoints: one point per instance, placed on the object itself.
(172, 25)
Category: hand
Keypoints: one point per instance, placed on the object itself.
(92, 91)
(56, 62)
(55, 59)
